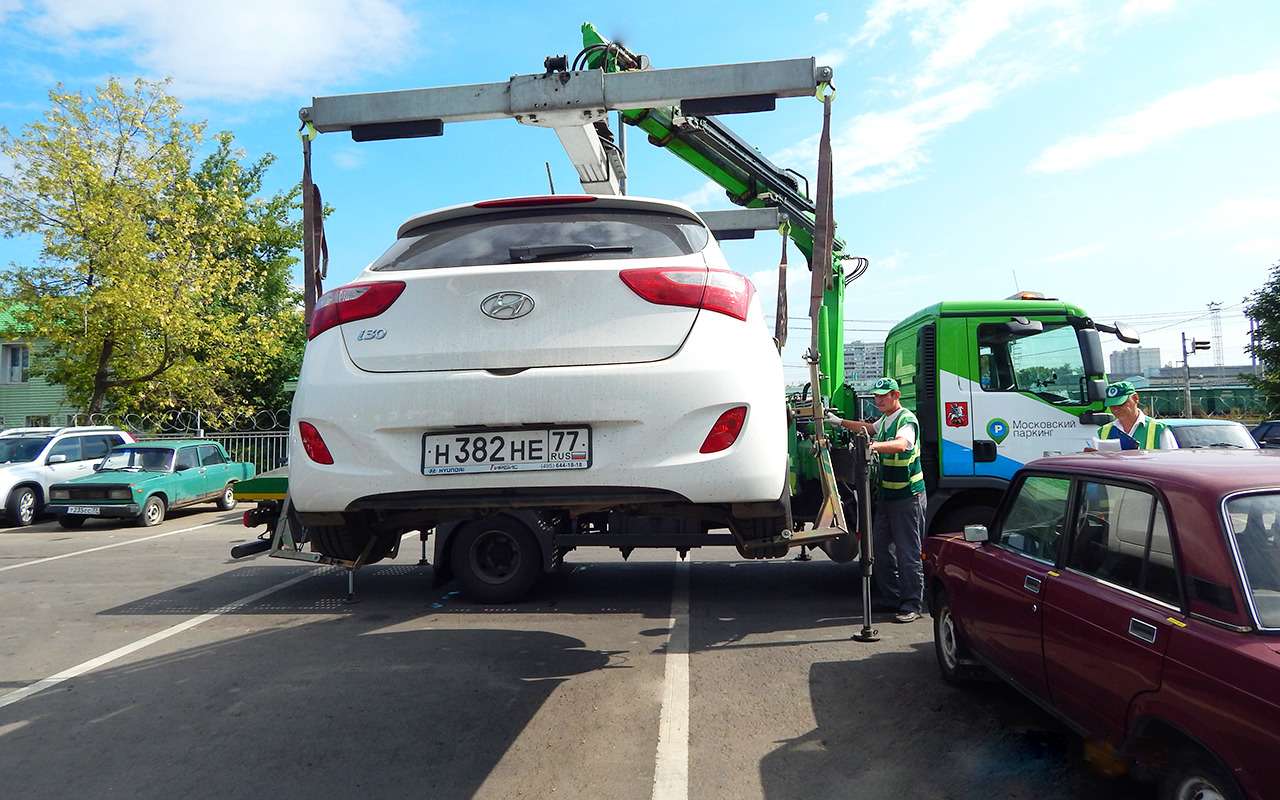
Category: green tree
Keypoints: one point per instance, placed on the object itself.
(160, 283)
(1264, 307)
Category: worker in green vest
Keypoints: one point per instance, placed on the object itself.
(1132, 428)
(900, 503)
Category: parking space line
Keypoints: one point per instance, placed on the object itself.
(117, 544)
(671, 769)
(174, 630)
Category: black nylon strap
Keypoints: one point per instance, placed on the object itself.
(780, 321)
(824, 225)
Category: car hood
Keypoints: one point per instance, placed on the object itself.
(114, 478)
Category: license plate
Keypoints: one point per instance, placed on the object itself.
(515, 450)
(87, 510)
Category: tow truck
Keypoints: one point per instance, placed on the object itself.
(677, 109)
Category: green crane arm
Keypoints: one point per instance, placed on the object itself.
(750, 180)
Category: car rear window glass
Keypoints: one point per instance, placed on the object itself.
(210, 455)
(1255, 525)
(535, 235)
(1111, 534)
(69, 447)
(187, 458)
(1227, 435)
(1037, 517)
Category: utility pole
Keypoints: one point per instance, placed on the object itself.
(1196, 344)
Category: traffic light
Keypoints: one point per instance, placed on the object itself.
(1199, 344)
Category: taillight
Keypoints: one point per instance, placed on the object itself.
(316, 449)
(541, 200)
(716, 290)
(725, 432)
(352, 302)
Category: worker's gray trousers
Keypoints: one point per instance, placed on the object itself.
(898, 528)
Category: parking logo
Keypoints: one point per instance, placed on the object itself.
(998, 430)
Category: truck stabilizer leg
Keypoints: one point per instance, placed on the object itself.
(862, 469)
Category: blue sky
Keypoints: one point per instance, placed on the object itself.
(1118, 154)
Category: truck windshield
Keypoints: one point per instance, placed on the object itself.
(21, 448)
(1045, 363)
(519, 237)
(146, 459)
(1255, 524)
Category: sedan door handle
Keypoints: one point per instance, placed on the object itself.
(1031, 584)
(1142, 630)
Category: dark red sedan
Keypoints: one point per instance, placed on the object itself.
(1136, 596)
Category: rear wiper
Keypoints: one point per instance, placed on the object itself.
(540, 252)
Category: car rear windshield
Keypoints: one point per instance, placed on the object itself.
(15, 449)
(1255, 524)
(1229, 436)
(536, 235)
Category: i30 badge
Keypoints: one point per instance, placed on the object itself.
(507, 305)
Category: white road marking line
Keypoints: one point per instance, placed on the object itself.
(117, 544)
(121, 652)
(671, 770)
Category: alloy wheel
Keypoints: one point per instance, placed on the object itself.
(27, 508)
(1198, 788)
(947, 638)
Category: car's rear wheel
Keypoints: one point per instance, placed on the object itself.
(497, 560)
(21, 508)
(1195, 775)
(350, 542)
(71, 523)
(153, 512)
(948, 643)
(227, 500)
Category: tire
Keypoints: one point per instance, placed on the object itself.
(1195, 775)
(497, 560)
(71, 523)
(227, 500)
(153, 512)
(949, 645)
(954, 520)
(347, 543)
(22, 507)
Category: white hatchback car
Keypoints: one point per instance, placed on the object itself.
(33, 459)
(514, 368)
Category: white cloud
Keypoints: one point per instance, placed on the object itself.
(1136, 10)
(1269, 248)
(348, 158)
(822, 17)
(1247, 211)
(238, 49)
(1074, 254)
(8, 7)
(1229, 99)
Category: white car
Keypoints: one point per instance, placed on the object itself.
(33, 459)
(569, 356)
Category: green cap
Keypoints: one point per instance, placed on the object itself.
(884, 386)
(1119, 392)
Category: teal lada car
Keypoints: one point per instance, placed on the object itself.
(143, 480)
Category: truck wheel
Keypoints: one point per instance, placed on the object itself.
(348, 543)
(497, 560)
(152, 512)
(71, 523)
(227, 500)
(954, 520)
(21, 508)
(949, 644)
(1195, 775)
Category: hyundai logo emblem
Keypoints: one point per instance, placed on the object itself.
(507, 305)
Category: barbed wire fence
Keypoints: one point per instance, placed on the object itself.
(259, 437)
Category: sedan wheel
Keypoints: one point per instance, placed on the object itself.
(227, 500)
(1199, 789)
(948, 648)
(1196, 775)
(152, 512)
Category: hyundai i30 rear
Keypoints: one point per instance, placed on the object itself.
(563, 352)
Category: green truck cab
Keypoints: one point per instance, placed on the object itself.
(143, 480)
(996, 384)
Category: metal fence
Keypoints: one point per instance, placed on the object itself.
(266, 450)
(259, 437)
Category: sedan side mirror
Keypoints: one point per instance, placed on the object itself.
(976, 534)
(97, 467)
(60, 458)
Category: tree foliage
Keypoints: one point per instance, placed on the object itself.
(161, 283)
(1264, 307)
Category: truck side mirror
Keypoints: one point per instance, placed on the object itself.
(976, 534)
(1126, 334)
(1096, 389)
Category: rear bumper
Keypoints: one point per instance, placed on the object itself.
(648, 421)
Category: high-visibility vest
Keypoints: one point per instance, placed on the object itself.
(1146, 434)
(901, 475)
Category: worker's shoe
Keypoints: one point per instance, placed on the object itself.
(906, 616)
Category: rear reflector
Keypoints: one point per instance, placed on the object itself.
(316, 449)
(541, 200)
(725, 432)
(352, 302)
(716, 290)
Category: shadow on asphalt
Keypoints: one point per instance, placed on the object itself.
(329, 709)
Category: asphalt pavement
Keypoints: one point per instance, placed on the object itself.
(143, 662)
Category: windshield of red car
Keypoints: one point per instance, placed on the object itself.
(1255, 524)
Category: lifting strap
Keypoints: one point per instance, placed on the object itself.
(315, 247)
(780, 321)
